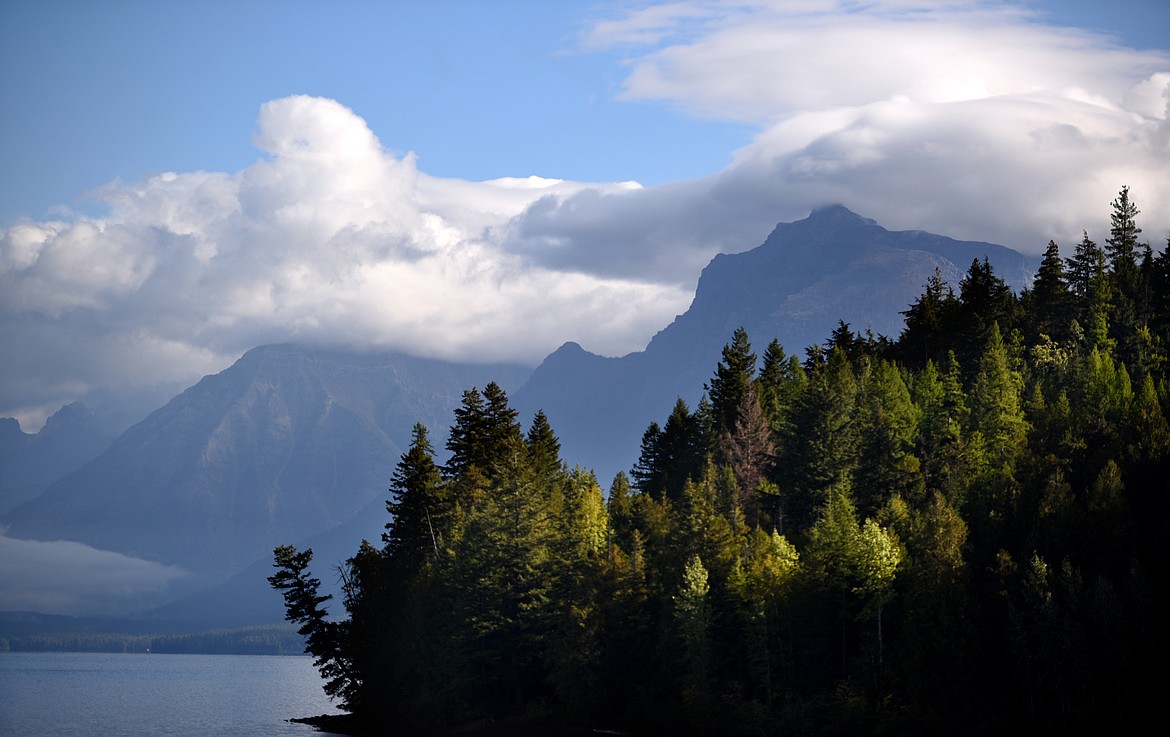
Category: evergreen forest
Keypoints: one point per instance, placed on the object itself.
(963, 529)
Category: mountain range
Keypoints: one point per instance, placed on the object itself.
(295, 444)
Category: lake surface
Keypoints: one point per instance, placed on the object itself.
(83, 694)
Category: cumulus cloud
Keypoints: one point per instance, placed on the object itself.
(63, 577)
(328, 238)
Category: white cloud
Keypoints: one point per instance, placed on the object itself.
(975, 120)
(63, 577)
(328, 238)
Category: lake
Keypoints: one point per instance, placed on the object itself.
(65, 694)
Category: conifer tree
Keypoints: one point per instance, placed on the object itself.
(467, 439)
(325, 640)
(887, 427)
(501, 575)
(682, 450)
(544, 448)
(1127, 281)
(984, 300)
(418, 506)
(927, 332)
(1049, 309)
(1089, 284)
(691, 623)
(832, 554)
(996, 406)
(824, 453)
(732, 377)
(619, 507)
(781, 382)
(648, 473)
(746, 447)
(1122, 243)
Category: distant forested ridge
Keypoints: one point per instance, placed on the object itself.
(962, 530)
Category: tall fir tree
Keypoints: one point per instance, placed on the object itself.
(733, 375)
(824, 453)
(927, 332)
(1122, 243)
(1048, 312)
(997, 411)
(418, 507)
(984, 300)
(1092, 295)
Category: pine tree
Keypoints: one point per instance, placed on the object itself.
(887, 427)
(928, 333)
(1089, 284)
(984, 300)
(1049, 314)
(781, 382)
(502, 426)
(682, 450)
(746, 447)
(418, 507)
(467, 439)
(544, 448)
(648, 474)
(1122, 243)
(325, 640)
(824, 453)
(996, 406)
(691, 626)
(733, 375)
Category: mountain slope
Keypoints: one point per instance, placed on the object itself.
(286, 443)
(807, 275)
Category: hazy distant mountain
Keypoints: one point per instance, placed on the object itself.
(286, 443)
(29, 462)
(833, 265)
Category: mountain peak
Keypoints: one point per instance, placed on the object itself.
(838, 214)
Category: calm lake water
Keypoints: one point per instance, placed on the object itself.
(64, 694)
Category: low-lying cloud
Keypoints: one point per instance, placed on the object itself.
(63, 577)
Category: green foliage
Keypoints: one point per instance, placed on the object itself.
(419, 507)
(961, 531)
(733, 376)
(1092, 294)
(996, 406)
(928, 332)
(1049, 300)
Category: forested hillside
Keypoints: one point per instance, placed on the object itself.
(961, 530)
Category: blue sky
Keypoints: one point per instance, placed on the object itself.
(183, 181)
(477, 89)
